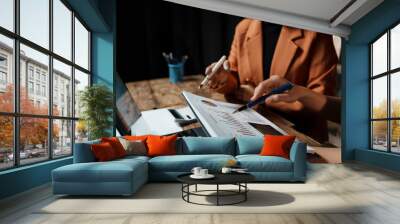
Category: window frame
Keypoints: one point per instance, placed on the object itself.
(16, 114)
(388, 74)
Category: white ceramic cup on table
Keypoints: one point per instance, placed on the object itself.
(196, 171)
(226, 170)
(203, 172)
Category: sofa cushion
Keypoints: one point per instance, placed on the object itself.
(112, 171)
(116, 145)
(185, 163)
(83, 152)
(161, 145)
(257, 163)
(103, 152)
(249, 145)
(277, 145)
(133, 158)
(136, 147)
(206, 145)
(136, 137)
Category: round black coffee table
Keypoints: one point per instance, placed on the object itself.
(238, 179)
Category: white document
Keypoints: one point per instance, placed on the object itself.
(161, 122)
(156, 122)
(219, 121)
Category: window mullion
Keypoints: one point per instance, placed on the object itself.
(50, 81)
(389, 104)
(73, 82)
(16, 85)
(371, 137)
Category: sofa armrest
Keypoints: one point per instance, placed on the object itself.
(83, 152)
(298, 154)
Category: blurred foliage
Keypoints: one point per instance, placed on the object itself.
(96, 102)
(380, 127)
(33, 131)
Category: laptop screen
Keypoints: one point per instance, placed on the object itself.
(127, 110)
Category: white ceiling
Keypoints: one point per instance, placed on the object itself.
(326, 16)
(321, 9)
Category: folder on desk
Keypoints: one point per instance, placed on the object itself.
(218, 121)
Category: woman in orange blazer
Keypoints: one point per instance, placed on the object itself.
(303, 57)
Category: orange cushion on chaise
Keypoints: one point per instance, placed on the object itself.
(276, 145)
(136, 137)
(103, 152)
(161, 145)
(116, 145)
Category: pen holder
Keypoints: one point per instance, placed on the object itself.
(176, 72)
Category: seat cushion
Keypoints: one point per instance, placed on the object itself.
(257, 163)
(112, 171)
(185, 163)
(132, 159)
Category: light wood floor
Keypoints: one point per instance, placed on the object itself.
(377, 188)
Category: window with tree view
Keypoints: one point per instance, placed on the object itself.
(385, 91)
(44, 64)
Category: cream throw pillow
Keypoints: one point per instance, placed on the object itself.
(137, 148)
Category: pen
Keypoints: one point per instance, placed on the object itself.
(216, 67)
(184, 59)
(261, 99)
(166, 57)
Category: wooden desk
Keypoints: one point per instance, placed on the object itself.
(160, 93)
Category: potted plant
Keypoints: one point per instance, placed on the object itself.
(96, 103)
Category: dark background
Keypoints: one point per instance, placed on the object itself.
(145, 29)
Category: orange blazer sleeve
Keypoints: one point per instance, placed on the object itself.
(323, 62)
(233, 77)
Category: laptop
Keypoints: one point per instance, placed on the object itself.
(132, 121)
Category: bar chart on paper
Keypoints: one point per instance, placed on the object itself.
(219, 121)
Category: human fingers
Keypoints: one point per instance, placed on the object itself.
(283, 97)
(226, 65)
(261, 89)
(209, 69)
(268, 85)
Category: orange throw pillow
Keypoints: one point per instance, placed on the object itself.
(116, 145)
(136, 138)
(275, 145)
(103, 152)
(161, 145)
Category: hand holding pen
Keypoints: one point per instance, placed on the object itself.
(216, 74)
(262, 99)
(272, 90)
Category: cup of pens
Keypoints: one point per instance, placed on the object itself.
(175, 67)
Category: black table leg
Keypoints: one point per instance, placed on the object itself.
(188, 190)
(217, 194)
(245, 193)
(196, 187)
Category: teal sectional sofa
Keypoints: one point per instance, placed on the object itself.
(125, 176)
